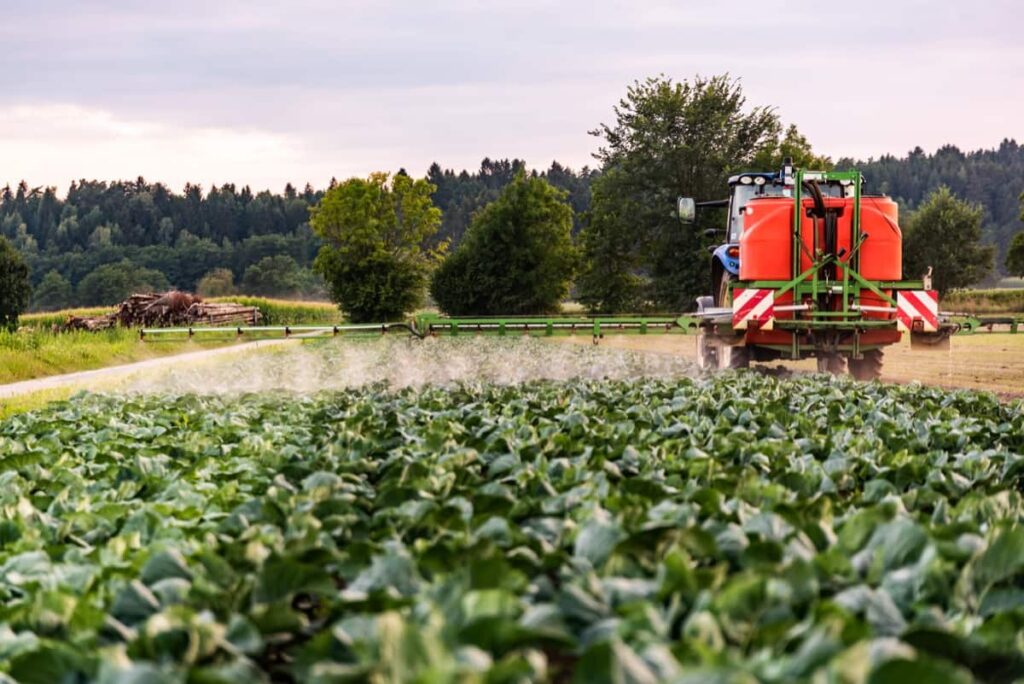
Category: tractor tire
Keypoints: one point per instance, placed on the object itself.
(831, 363)
(723, 297)
(869, 368)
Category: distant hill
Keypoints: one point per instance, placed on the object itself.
(993, 178)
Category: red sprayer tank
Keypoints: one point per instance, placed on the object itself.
(766, 248)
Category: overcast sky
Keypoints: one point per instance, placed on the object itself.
(263, 93)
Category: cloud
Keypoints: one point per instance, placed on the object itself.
(58, 143)
(262, 92)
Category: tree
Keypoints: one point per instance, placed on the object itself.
(218, 282)
(53, 292)
(273, 276)
(795, 146)
(668, 139)
(1015, 256)
(15, 287)
(516, 258)
(944, 234)
(1015, 253)
(608, 281)
(112, 283)
(373, 232)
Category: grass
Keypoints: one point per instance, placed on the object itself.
(47, 319)
(36, 353)
(985, 301)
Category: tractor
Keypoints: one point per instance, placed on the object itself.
(810, 267)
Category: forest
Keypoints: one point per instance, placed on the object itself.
(150, 235)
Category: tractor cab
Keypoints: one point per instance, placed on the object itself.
(743, 187)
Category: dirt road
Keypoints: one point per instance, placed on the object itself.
(984, 361)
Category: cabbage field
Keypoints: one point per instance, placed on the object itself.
(738, 528)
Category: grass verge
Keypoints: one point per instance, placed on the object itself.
(35, 353)
(985, 301)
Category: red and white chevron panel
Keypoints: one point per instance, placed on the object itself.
(753, 304)
(917, 305)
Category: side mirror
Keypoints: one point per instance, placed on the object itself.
(687, 209)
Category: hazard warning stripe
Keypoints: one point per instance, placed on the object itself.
(917, 305)
(753, 304)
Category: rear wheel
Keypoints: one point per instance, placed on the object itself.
(831, 363)
(868, 368)
(723, 297)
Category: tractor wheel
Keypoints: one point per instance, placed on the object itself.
(869, 368)
(723, 298)
(733, 357)
(831, 363)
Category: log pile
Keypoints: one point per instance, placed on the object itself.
(159, 310)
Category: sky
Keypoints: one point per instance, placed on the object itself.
(264, 93)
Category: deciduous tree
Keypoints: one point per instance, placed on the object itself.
(15, 288)
(668, 139)
(373, 256)
(944, 234)
(53, 292)
(516, 258)
(217, 283)
(112, 283)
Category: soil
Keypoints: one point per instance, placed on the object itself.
(983, 361)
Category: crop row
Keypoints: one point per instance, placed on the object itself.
(735, 529)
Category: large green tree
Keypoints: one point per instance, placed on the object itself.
(668, 139)
(15, 288)
(944, 234)
(373, 256)
(516, 258)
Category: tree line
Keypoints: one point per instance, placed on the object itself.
(622, 247)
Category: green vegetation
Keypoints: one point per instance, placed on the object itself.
(217, 283)
(373, 233)
(53, 293)
(113, 283)
(945, 234)
(741, 529)
(668, 139)
(15, 288)
(1015, 256)
(517, 257)
(288, 312)
(36, 353)
(280, 276)
(985, 301)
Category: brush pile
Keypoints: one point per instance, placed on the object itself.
(155, 310)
